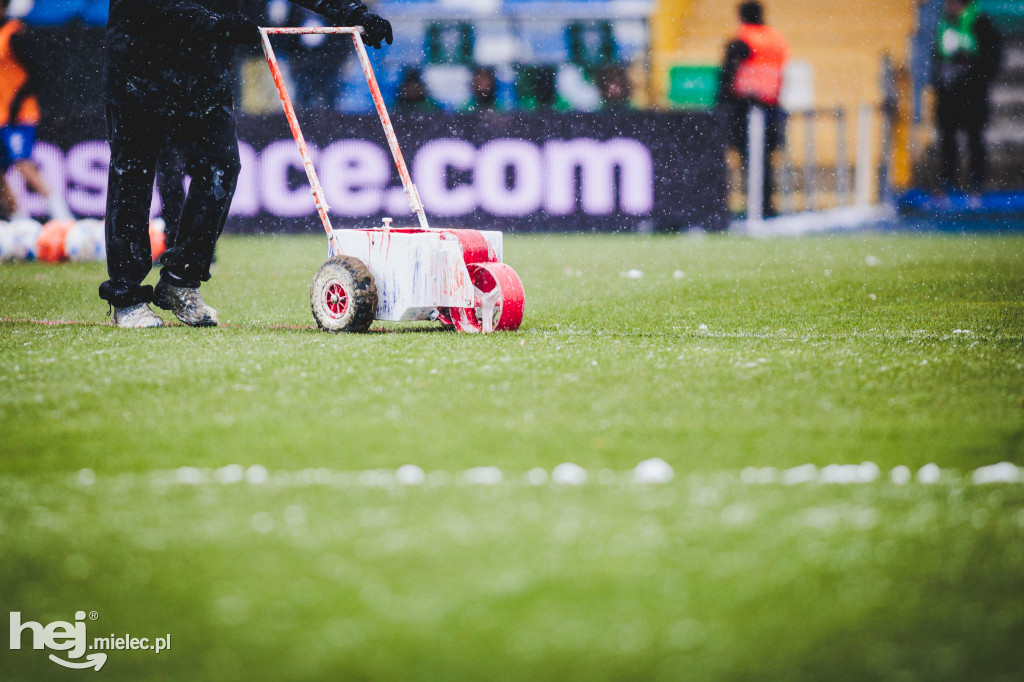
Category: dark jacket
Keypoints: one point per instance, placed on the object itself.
(969, 75)
(172, 56)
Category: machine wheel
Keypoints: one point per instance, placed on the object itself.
(343, 296)
(498, 300)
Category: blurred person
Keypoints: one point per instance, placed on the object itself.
(484, 89)
(751, 77)
(967, 56)
(315, 60)
(19, 116)
(536, 87)
(615, 87)
(412, 92)
(168, 81)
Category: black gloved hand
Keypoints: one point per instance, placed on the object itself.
(239, 29)
(376, 29)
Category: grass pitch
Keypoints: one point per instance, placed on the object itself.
(725, 354)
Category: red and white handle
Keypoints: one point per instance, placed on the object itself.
(378, 99)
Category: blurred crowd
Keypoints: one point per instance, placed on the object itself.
(497, 61)
(444, 65)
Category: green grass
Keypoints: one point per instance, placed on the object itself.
(728, 353)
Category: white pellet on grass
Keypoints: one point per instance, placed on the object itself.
(536, 476)
(801, 474)
(262, 522)
(86, 477)
(189, 475)
(759, 476)
(257, 474)
(868, 472)
(410, 474)
(633, 274)
(1004, 472)
(900, 475)
(679, 274)
(655, 470)
(841, 474)
(482, 476)
(845, 474)
(230, 474)
(376, 478)
(568, 473)
(929, 474)
(295, 516)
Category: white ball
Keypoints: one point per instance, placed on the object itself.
(78, 243)
(26, 234)
(96, 247)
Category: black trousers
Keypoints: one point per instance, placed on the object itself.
(210, 150)
(170, 182)
(736, 115)
(967, 112)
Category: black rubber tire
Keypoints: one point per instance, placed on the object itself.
(354, 277)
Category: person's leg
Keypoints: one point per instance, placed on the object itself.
(135, 140)
(33, 178)
(774, 127)
(20, 142)
(767, 204)
(948, 152)
(211, 158)
(978, 153)
(170, 181)
(8, 202)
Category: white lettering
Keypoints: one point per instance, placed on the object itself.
(430, 171)
(278, 161)
(597, 162)
(354, 175)
(247, 194)
(87, 166)
(510, 178)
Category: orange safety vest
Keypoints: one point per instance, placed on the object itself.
(760, 76)
(12, 79)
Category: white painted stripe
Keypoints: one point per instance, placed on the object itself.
(652, 471)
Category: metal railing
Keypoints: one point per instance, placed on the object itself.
(814, 171)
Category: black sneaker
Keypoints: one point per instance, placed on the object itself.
(186, 304)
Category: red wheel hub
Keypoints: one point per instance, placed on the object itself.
(335, 299)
